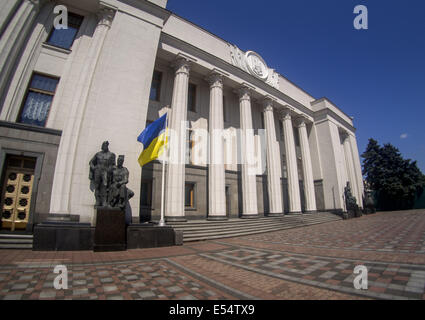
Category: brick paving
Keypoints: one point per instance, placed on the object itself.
(314, 262)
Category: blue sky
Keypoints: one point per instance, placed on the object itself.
(375, 75)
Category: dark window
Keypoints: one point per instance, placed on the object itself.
(189, 195)
(281, 130)
(262, 121)
(146, 194)
(64, 38)
(296, 137)
(38, 100)
(191, 98)
(189, 146)
(224, 110)
(156, 86)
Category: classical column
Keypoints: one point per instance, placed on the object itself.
(60, 200)
(357, 167)
(310, 197)
(216, 173)
(174, 194)
(350, 166)
(14, 33)
(249, 184)
(273, 161)
(291, 162)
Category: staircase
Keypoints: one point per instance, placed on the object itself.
(206, 230)
(15, 241)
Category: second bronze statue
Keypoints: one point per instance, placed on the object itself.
(109, 179)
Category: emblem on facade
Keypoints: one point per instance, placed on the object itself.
(256, 65)
(252, 63)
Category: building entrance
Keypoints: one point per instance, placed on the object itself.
(16, 192)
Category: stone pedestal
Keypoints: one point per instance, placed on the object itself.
(63, 236)
(150, 236)
(110, 232)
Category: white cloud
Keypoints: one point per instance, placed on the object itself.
(404, 136)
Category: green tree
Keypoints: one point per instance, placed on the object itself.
(396, 181)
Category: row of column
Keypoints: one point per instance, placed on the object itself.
(174, 206)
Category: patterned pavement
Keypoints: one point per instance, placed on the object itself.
(313, 262)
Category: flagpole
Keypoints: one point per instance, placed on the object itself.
(162, 220)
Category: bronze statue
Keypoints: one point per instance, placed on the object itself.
(119, 194)
(101, 166)
(369, 204)
(351, 202)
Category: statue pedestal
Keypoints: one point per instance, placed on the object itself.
(110, 230)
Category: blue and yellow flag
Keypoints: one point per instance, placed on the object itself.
(153, 140)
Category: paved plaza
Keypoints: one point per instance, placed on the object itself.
(314, 262)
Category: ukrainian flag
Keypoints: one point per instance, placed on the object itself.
(153, 140)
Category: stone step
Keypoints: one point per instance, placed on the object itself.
(16, 241)
(191, 227)
(232, 227)
(189, 237)
(27, 246)
(202, 223)
(204, 230)
(15, 236)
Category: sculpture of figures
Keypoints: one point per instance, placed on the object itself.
(369, 205)
(119, 194)
(101, 166)
(351, 202)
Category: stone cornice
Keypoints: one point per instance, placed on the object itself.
(231, 69)
(336, 118)
(21, 126)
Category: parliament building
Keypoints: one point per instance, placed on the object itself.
(119, 66)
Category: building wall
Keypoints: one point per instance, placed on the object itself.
(106, 97)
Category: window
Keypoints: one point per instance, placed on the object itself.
(189, 195)
(191, 98)
(281, 131)
(225, 119)
(262, 120)
(146, 194)
(64, 38)
(155, 93)
(38, 100)
(189, 146)
(296, 137)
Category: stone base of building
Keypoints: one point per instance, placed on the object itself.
(294, 213)
(249, 216)
(275, 214)
(63, 236)
(150, 236)
(310, 211)
(175, 219)
(217, 218)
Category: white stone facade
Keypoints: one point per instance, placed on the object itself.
(103, 94)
